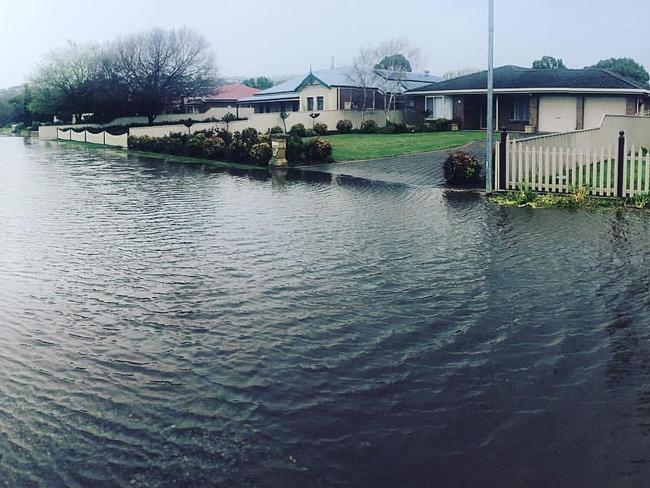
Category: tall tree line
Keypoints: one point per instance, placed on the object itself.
(138, 74)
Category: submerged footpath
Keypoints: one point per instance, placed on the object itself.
(420, 169)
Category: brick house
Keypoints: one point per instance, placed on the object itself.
(533, 100)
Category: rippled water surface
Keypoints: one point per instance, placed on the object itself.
(174, 325)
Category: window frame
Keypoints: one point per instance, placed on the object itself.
(515, 115)
(320, 103)
(447, 108)
(310, 104)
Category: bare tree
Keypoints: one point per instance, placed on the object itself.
(363, 75)
(460, 72)
(385, 67)
(162, 66)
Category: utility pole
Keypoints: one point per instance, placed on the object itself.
(490, 96)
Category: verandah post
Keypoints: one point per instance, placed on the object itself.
(620, 184)
(503, 151)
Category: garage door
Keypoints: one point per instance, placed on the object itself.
(557, 114)
(596, 107)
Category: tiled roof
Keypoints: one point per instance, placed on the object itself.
(233, 91)
(516, 77)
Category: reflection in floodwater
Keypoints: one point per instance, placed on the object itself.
(197, 325)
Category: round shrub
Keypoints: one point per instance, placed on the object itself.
(309, 133)
(369, 127)
(298, 130)
(344, 126)
(249, 136)
(320, 128)
(399, 128)
(442, 124)
(276, 130)
(214, 148)
(261, 153)
(295, 149)
(462, 168)
(318, 150)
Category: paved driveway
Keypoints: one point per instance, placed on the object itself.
(422, 169)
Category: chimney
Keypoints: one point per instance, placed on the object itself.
(427, 72)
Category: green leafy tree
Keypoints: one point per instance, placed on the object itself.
(261, 82)
(395, 62)
(549, 62)
(229, 117)
(626, 67)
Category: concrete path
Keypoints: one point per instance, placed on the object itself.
(421, 169)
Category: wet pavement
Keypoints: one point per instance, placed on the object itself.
(421, 169)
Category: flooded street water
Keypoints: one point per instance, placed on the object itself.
(168, 324)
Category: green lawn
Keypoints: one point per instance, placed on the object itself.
(351, 147)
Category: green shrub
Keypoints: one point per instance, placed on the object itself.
(310, 133)
(295, 149)
(224, 135)
(318, 150)
(249, 136)
(344, 126)
(298, 130)
(173, 144)
(195, 144)
(397, 127)
(261, 153)
(320, 128)
(442, 124)
(276, 130)
(462, 168)
(369, 127)
(214, 148)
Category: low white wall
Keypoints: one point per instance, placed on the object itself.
(158, 130)
(63, 134)
(637, 132)
(213, 113)
(263, 122)
(47, 132)
(120, 141)
(95, 138)
(103, 138)
(78, 136)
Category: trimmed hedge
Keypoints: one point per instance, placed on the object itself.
(247, 146)
(320, 128)
(344, 126)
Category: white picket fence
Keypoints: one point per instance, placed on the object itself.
(563, 169)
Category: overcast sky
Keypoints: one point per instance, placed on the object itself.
(278, 37)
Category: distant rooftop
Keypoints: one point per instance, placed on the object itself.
(232, 91)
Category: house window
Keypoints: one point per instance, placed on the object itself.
(520, 108)
(310, 104)
(439, 108)
(192, 109)
(320, 103)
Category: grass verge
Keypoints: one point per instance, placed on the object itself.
(355, 147)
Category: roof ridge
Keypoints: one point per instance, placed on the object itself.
(634, 83)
